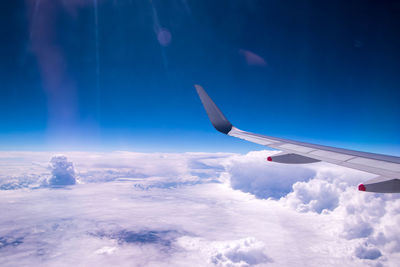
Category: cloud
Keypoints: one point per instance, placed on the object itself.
(10, 241)
(148, 169)
(242, 252)
(314, 195)
(373, 218)
(62, 171)
(369, 253)
(324, 191)
(158, 237)
(215, 209)
(28, 181)
(252, 173)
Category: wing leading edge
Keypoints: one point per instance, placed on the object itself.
(294, 152)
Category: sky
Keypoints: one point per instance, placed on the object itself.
(105, 75)
(189, 209)
(107, 156)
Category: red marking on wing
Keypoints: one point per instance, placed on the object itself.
(361, 187)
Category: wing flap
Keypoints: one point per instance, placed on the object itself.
(301, 149)
(376, 164)
(330, 155)
(292, 159)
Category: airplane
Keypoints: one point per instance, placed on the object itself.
(295, 152)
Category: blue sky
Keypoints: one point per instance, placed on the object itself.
(315, 71)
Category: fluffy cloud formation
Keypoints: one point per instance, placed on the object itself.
(314, 195)
(62, 171)
(242, 252)
(252, 173)
(213, 209)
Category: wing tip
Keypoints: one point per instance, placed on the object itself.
(361, 187)
(218, 120)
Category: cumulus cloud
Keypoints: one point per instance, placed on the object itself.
(62, 171)
(323, 193)
(242, 252)
(314, 195)
(372, 219)
(252, 173)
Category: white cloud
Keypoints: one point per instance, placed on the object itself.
(242, 252)
(254, 174)
(137, 209)
(62, 171)
(315, 195)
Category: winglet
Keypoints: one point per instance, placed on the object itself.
(218, 120)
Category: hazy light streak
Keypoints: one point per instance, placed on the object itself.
(96, 22)
(35, 11)
(185, 4)
(157, 30)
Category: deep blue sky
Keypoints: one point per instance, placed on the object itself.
(320, 71)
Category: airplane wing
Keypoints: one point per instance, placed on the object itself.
(294, 152)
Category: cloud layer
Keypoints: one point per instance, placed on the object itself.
(197, 209)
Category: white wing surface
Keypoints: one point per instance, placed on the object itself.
(386, 167)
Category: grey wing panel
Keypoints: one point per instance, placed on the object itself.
(292, 158)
